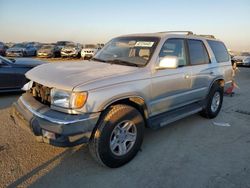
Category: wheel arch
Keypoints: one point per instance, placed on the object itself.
(135, 101)
(218, 80)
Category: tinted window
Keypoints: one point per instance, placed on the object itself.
(197, 52)
(175, 47)
(219, 50)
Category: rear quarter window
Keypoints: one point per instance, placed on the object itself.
(219, 50)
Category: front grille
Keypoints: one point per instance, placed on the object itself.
(88, 51)
(41, 93)
(67, 51)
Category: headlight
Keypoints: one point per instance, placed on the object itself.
(67, 99)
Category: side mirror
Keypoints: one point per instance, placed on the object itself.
(12, 59)
(168, 62)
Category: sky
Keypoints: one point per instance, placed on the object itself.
(98, 21)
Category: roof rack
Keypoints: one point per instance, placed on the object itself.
(187, 32)
(207, 36)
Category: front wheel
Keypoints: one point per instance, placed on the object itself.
(118, 136)
(214, 102)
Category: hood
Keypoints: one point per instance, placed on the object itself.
(67, 76)
(27, 62)
(68, 48)
(15, 49)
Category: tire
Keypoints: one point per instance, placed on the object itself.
(108, 133)
(212, 108)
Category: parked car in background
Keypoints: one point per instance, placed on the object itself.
(37, 45)
(71, 50)
(89, 51)
(49, 50)
(246, 61)
(135, 81)
(3, 48)
(240, 58)
(21, 50)
(61, 44)
(9, 44)
(12, 73)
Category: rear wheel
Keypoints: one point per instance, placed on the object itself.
(214, 102)
(118, 136)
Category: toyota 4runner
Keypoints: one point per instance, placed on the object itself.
(135, 81)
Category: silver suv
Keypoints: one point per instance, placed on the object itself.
(135, 81)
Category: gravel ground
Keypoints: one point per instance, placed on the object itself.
(192, 152)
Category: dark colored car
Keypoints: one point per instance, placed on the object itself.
(21, 50)
(3, 49)
(49, 50)
(12, 73)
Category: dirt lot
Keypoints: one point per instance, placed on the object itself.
(192, 152)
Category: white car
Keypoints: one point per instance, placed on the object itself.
(89, 51)
(242, 59)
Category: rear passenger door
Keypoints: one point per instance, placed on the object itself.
(201, 68)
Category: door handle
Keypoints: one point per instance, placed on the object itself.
(187, 76)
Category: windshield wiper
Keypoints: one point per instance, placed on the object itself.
(122, 62)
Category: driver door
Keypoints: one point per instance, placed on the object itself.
(171, 87)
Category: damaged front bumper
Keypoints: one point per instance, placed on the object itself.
(50, 126)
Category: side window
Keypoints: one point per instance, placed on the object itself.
(175, 47)
(219, 50)
(197, 52)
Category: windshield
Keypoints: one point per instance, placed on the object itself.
(47, 47)
(90, 46)
(62, 43)
(19, 46)
(71, 45)
(129, 51)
